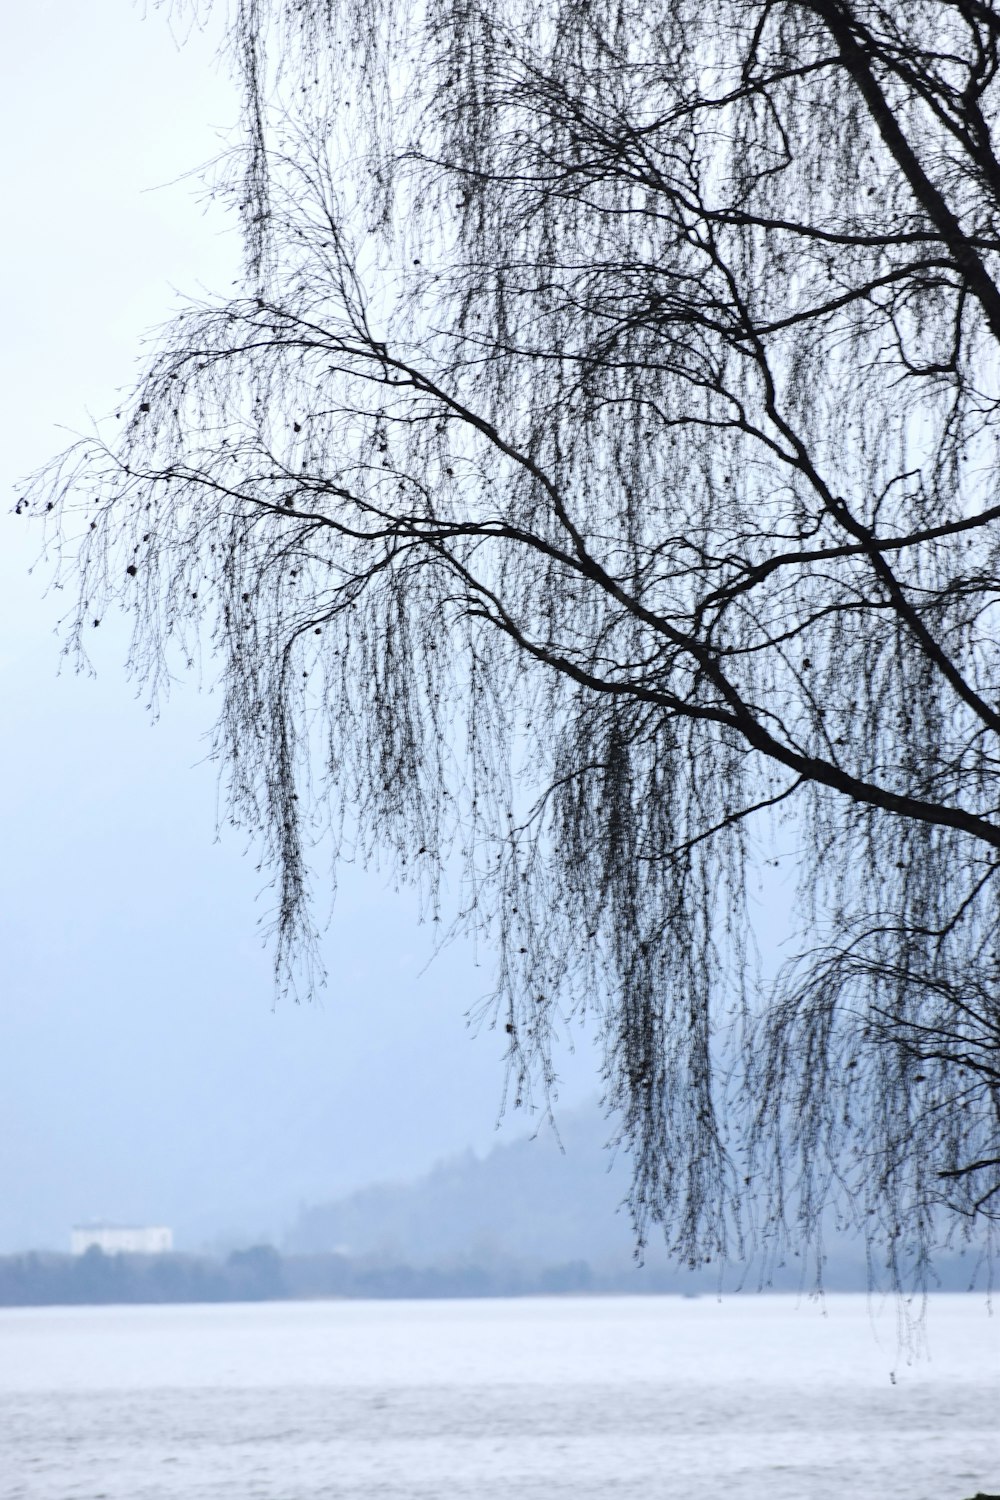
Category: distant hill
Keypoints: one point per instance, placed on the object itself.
(539, 1215)
(544, 1201)
(539, 1200)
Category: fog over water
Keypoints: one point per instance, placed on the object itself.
(669, 1397)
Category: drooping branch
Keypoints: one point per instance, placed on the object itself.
(593, 490)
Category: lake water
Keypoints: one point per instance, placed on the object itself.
(751, 1398)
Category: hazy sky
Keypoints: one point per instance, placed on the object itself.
(144, 1073)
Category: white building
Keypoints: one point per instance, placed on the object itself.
(118, 1239)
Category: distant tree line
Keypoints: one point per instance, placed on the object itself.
(262, 1274)
(40, 1278)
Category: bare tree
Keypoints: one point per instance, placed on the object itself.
(595, 483)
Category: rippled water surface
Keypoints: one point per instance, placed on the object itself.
(753, 1398)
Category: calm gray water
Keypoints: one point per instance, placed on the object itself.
(753, 1398)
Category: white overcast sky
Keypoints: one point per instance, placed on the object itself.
(144, 1073)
